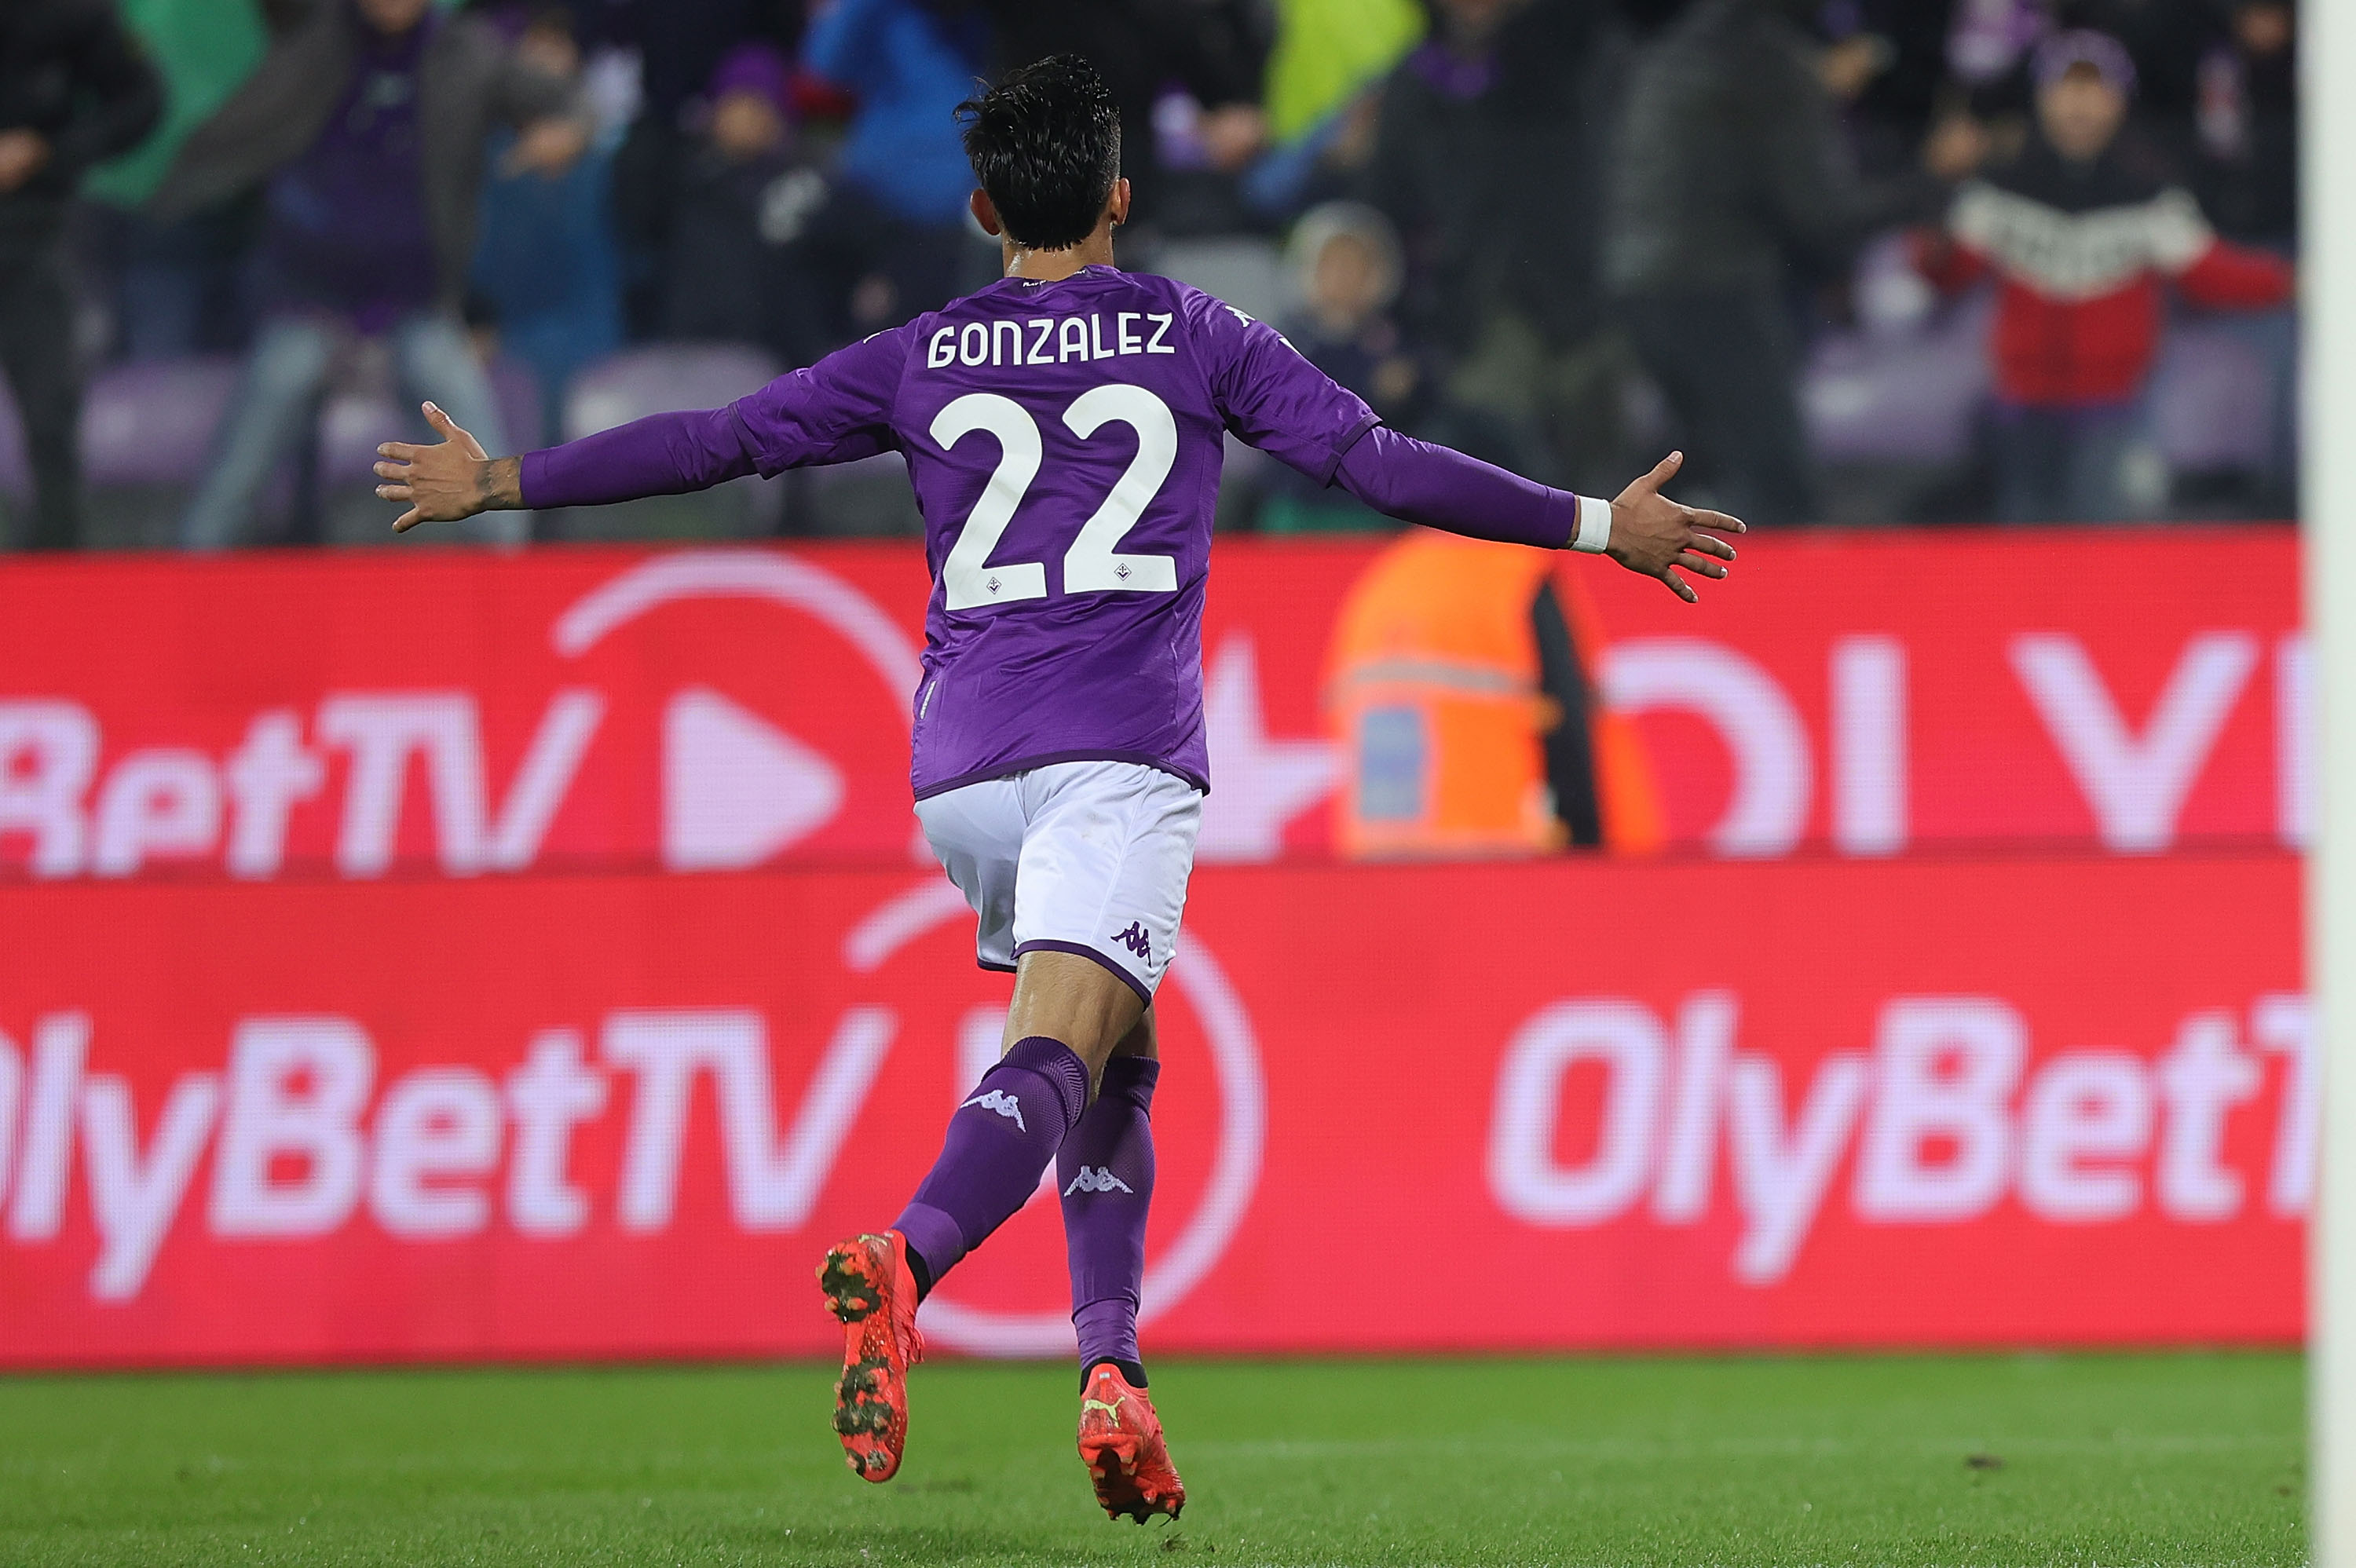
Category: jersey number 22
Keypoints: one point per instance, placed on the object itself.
(1093, 564)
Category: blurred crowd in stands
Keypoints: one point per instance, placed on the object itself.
(1868, 261)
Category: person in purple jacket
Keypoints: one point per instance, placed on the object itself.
(1063, 430)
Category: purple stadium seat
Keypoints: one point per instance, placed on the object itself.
(15, 479)
(1900, 398)
(141, 424)
(2213, 399)
(641, 381)
(655, 379)
(153, 423)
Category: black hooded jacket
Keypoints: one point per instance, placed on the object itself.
(69, 71)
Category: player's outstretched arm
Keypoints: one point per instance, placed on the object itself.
(662, 455)
(1643, 531)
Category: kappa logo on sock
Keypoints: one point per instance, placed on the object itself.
(1000, 1101)
(1136, 941)
(1098, 1179)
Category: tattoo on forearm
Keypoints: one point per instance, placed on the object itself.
(499, 482)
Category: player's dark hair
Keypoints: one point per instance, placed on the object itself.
(1046, 144)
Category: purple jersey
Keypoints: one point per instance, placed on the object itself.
(1065, 442)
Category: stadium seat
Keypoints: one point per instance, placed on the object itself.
(655, 379)
(641, 381)
(1242, 269)
(153, 423)
(146, 435)
(1894, 398)
(2214, 399)
(141, 424)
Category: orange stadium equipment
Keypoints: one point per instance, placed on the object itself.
(1435, 694)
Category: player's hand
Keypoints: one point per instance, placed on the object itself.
(447, 482)
(1654, 536)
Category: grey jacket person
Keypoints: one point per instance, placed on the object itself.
(1731, 162)
(469, 81)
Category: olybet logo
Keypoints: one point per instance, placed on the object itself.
(363, 779)
(736, 789)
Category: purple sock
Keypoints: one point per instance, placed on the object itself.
(1105, 1171)
(999, 1141)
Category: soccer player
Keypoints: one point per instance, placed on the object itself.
(1063, 430)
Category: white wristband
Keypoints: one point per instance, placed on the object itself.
(1594, 535)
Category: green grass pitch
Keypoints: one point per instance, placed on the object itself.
(2109, 1461)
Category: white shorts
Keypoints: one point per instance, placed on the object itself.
(1086, 858)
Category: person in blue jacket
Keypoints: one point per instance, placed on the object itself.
(893, 240)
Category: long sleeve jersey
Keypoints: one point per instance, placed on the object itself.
(1065, 440)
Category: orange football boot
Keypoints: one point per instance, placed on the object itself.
(869, 1287)
(1120, 1443)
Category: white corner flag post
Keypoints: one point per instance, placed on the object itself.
(2327, 500)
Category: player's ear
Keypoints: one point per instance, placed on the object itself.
(985, 212)
(1117, 204)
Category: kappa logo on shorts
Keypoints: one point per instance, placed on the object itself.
(1098, 1179)
(1136, 941)
(1000, 1101)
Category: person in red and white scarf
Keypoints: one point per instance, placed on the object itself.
(2082, 242)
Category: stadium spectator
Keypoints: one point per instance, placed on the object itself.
(1488, 156)
(2247, 124)
(545, 266)
(2080, 236)
(365, 127)
(1887, 66)
(679, 43)
(746, 199)
(1200, 63)
(745, 196)
(675, 46)
(1345, 262)
(73, 89)
(1992, 47)
(177, 289)
(894, 237)
(1733, 177)
(2246, 162)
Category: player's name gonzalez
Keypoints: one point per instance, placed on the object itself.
(1050, 339)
